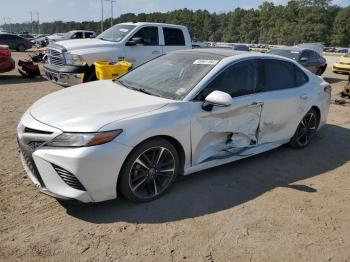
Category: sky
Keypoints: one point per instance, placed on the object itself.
(86, 10)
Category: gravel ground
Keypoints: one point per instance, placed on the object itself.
(283, 205)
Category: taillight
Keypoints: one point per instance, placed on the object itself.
(5, 52)
(328, 89)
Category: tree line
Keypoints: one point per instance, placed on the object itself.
(298, 21)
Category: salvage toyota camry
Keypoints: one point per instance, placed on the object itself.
(178, 114)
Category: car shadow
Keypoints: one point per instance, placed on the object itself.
(230, 185)
(333, 80)
(18, 79)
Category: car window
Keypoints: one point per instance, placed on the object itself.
(88, 34)
(116, 33)
(78, 35)
(278, 75)
(237, 80)
(173, 37)
(308, 54)
(149, 35)
(300, 77)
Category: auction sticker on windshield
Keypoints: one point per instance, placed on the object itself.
(205, 62)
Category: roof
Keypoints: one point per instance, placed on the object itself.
(215, 51)
(298, 49)
(150, 23)
(231, 54)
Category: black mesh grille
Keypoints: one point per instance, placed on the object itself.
(35, 144)
(27, 152)
(69, 178)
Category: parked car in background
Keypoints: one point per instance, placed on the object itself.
(329, 49)
(136, 43)
(183, 112)
(15, 42)
(6, 61)
(74, 34)
(26, 35)
(343, 65)
(341, 50)
(239, 47)
(308, 58)
(40, 41)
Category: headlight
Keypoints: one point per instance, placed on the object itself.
(84, 139)
(73, 59)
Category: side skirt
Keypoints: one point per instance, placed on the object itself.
(243, 154)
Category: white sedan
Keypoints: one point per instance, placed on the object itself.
(175, 115)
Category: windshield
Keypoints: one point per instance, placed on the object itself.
(116, 33)
(171, 76)
(292, 54)
(67, 35)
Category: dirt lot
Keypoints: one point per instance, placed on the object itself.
(284, 205)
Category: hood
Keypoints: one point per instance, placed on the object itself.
(89, 107)
(85, 43)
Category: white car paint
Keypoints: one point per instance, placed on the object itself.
(256, 123)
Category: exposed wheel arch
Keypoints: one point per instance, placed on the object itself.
(179, 148)
(318, 111)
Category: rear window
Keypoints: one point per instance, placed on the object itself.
(173, 36)
(278, 75)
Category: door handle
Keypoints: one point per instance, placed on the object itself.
(304, 97)
(155, 52)
(255, 104)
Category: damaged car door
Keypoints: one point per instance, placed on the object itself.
(286, 96)
(218, 132)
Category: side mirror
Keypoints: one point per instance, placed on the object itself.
(217, 98)
(135, 41)
(303, 59)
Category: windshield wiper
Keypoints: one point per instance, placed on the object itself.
(142, 90)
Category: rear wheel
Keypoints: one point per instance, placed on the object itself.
(21, 48)
(149, 170)
(306, 130)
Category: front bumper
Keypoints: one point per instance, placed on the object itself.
(96, 168)
(341, 68)
(64, 75)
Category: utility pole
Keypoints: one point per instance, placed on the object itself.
(9, 20)
(4, 23)
(37, 15)
(112, 2)
(102, 16)
(31, 19)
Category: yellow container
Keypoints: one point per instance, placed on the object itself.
(106, 70)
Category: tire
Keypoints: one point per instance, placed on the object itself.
(320, 71)
(149, 170)
(306, 130)
(21, 48)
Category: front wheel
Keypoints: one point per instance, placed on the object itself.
(306, 130)
(149, 170)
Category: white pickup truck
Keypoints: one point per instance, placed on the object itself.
(71, 62)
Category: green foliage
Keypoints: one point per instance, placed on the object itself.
(298, 21)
